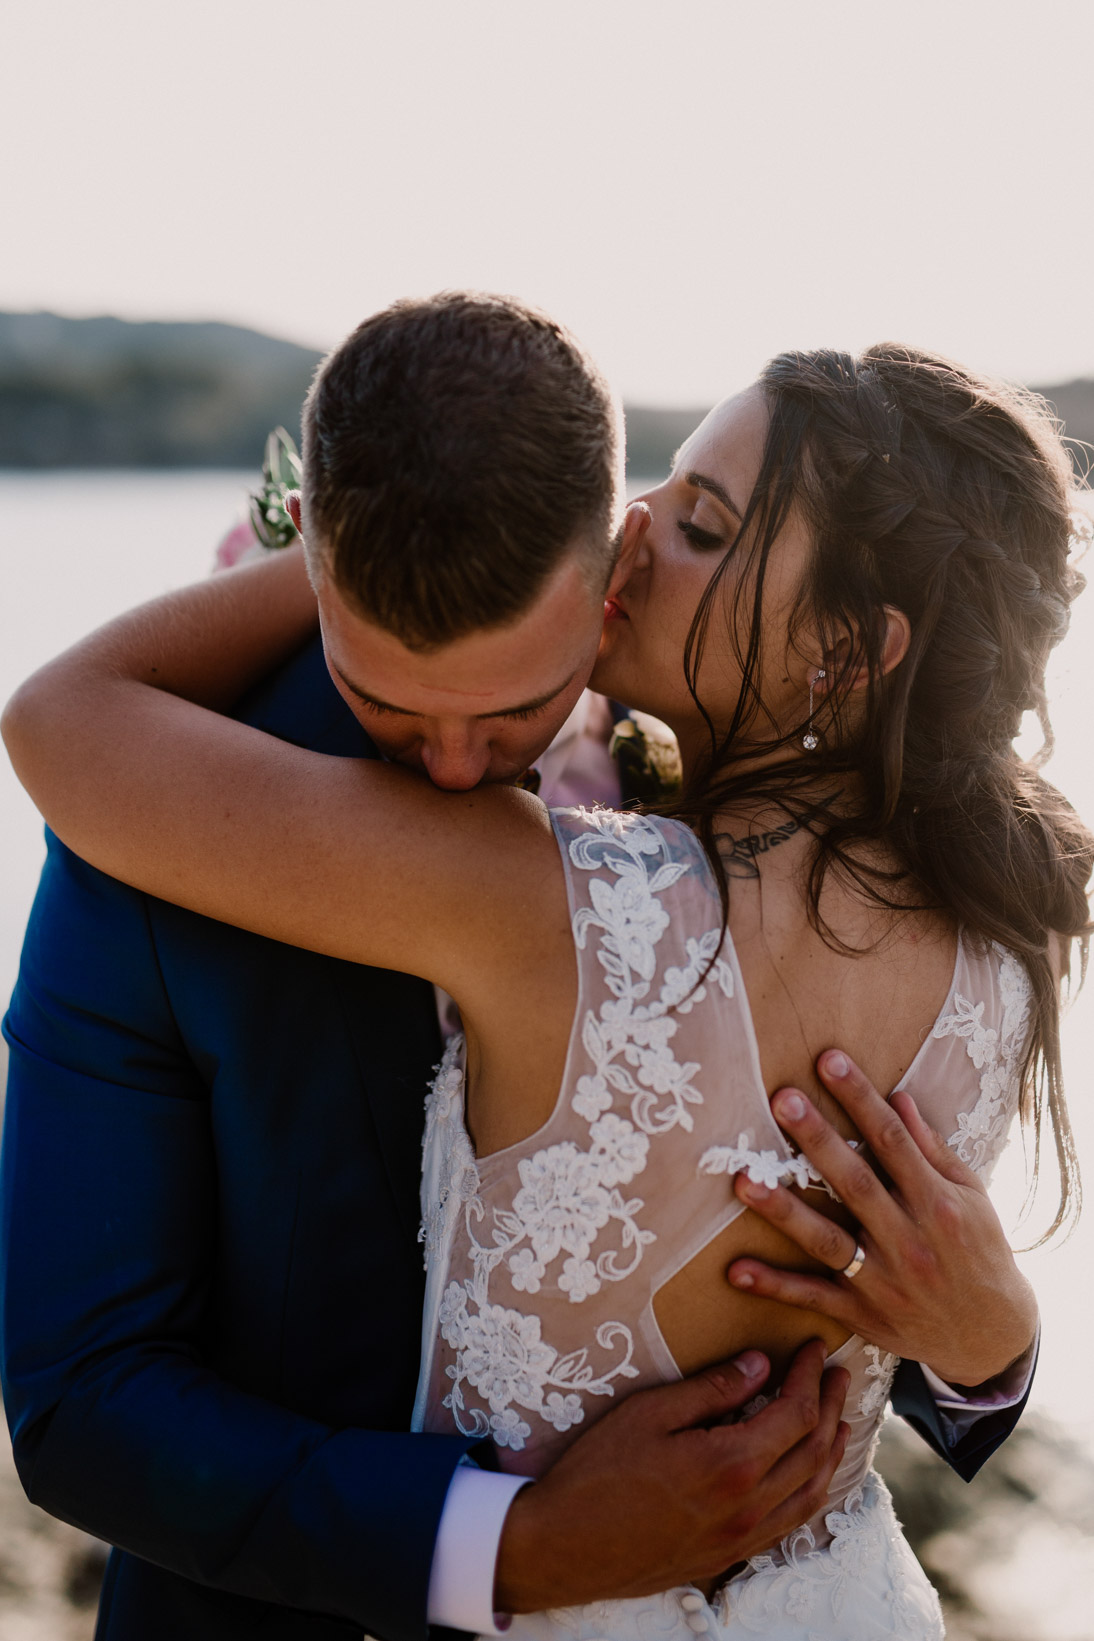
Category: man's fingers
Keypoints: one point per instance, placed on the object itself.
(880, 1126)
(704, 1398)
(794, 1413)
(807, 1293)
(934, 1148)
(804, 1375)
(810, 1456)
(818, 1236)
(812, 1493)
(849, 1174)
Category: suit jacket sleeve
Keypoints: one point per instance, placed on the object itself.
(109, 1204)
(914, 1401)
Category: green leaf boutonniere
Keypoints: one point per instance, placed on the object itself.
(281, 472)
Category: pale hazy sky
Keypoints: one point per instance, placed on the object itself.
(691, 184)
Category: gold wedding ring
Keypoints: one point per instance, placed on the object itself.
(857, 1262)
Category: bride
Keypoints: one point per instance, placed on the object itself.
(841, 601)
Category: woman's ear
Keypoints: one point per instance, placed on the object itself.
(292, 507)
(898, 635)
(894, 647)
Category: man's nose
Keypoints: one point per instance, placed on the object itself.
(455, 763)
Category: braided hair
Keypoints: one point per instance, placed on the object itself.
(948, 497)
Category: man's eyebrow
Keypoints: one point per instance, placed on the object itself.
(532, 706)
(700, 481)
(535, 705)
(363, 694)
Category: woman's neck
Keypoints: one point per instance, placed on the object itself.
(695, 754)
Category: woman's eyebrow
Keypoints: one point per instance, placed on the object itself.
(700, 481)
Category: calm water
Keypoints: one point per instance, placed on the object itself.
(78, 547)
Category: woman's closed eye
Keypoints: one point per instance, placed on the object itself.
(699, 537)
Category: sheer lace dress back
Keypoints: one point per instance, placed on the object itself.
(543, 1259)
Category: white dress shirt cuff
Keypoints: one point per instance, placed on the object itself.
(465, 1556)
(960, 1411)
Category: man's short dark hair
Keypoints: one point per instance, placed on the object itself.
(454, 449)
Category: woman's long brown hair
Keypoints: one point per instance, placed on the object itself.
(951, 498)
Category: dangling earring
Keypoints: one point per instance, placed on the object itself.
(810, 740)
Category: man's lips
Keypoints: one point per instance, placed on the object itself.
(614, 611)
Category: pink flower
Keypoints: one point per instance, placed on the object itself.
(236, 546)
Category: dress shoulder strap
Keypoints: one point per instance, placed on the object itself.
(662, 1034)
(967, 1076)
(617, 865)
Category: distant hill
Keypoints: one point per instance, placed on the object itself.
(653, 436)
(111, 393)
(114, 393)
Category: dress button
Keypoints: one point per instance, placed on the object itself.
(698, 1622)
(692, 1603)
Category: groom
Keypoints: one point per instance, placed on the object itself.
(211, 1281)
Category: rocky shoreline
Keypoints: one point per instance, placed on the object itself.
(49, 1572)
(1011, 1554)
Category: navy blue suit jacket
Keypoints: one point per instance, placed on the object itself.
(211, 1285)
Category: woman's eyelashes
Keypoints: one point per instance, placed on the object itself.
(697, 536)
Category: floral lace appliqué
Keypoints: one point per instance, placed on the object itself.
(458, 1177)
(880, 1372)
(997, 1055)
(766, 1167)
(569, 1196)
(629, 1040)
(501, 1354)
(566, 1197)
(816, 1587)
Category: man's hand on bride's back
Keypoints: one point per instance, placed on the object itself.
(938, 1283)
(661, 1492)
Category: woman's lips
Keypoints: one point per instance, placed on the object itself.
(614, 611)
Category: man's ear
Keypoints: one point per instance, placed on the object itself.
(636, 522)
(292, 507)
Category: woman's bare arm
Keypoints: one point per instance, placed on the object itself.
(115, 743)
(209, 642)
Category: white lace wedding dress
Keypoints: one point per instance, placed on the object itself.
(543, 1259)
